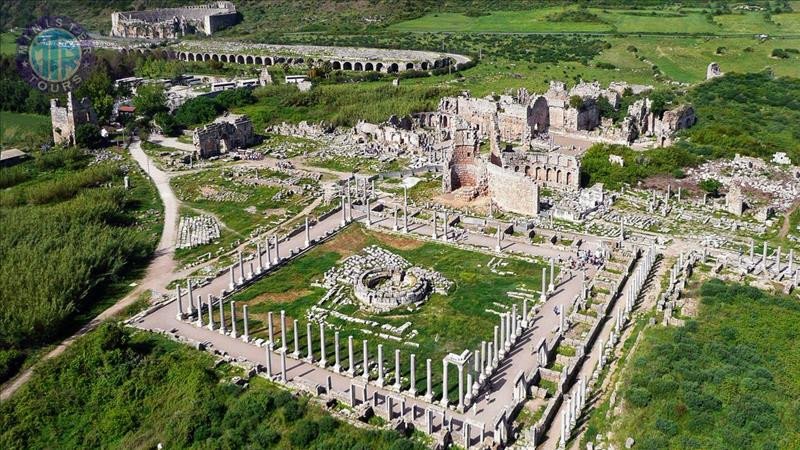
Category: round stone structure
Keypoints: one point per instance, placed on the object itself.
(384, 289)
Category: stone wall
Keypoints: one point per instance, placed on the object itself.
(66, 119)
(224, 134)
(170, 23)
(512, 191)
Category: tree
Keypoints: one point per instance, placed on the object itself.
(150, 99)
(167, 122)
(88, 135)
(100, 90)
(711, 186)
(576, 101)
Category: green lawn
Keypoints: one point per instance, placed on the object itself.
(450, 323)
(23, 130)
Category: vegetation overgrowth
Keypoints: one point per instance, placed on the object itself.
(118, 389)
(728, 379)
(70, 232)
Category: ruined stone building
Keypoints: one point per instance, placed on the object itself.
(224, 134)
(67, 118)
(170, 23)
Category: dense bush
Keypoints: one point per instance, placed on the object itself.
(88, 135)
(117, 390)
(201, 110)
(596, 167)
(729, 379)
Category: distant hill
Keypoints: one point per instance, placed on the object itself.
(283, 16)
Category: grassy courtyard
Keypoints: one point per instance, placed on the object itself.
(444, 323)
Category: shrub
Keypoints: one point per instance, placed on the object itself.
(88, 136)
(304, 433)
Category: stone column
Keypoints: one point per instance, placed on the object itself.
(503, 334)
(397, 384)
(269, 362)
(428, 383)
(296, 353)
(395, 228)
(379, 381)
(310, 352)
(246, 335)
(210, 312)
(491, 359)
(308, 234)
(365, 351)
(277, 249)
(199, 321)
(222, 329)
(352, 364)
(514, 331)
(241, 268)
(412, 376)
(260, 265)
(192, 304)
(232, 283)
(446, 234)
(552, 285)
(283, 366)
(499, 246)
(524, 313)
(283, 331)
(433, 226)
(344, 214)
(369, 214)
(180, 304)
(233, 319)
(322, 345)
(336, 366)
(543, 297)
(444, 383)
(268, 251)
(460, 386)
(496, 345)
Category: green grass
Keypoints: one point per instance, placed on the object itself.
(231, 211)
(728, 379)
(145, 390)
(532, 20)
(446, 323)
(24, 130)
(8, 44)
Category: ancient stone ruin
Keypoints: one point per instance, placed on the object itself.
(66, 119)
(170, 23)
(226, 133)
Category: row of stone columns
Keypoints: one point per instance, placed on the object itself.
(196, 311)
(572, 411)
(434, 226)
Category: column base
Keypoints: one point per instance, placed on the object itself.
(379, 382)
(295, 355)
(337, 368)
(245, 338)
(428, 398)
(321, 363)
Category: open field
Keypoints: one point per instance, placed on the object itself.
(445, 323)
(241, 203)
(23, 130)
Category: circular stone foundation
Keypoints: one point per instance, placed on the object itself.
(383, 289)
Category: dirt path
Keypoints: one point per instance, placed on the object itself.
(787, 221)
(158, 275)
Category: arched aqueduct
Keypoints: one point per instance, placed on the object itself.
(386, 66)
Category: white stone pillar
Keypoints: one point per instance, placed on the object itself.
(283, 366)
(308, 234)
(310, 348)
(496, 359)
(283, 331)
(260, 265)
(369, 214)
(433, 226)
(232, 283)
(491, 358)
(446, 234)
(277, 249)
(233, 319)
(412, 375)
(552, 285)
(210, 312)
(379, 381)
(395, 228)
(337, 367)
(428, 382)
(222, 329)
(499, 246)
(397, 383)
(322, 345)
(241, 268)
(179, 315)
(199, 321)
(365, 351)
(246, 335)
(268, 252)
(405, 209)
(444, 383)
(543, 297)
(562, 319)
(269, 362)
(460, 387)
(344, 214)
(296, 353)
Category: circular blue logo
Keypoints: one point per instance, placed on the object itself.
(53, 54)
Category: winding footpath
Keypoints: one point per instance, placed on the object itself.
(157, 276)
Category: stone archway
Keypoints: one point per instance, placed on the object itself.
(393, 68)
(558, 176)
(379, 67)
(425, 65)
(259, 60)
(248, 60)
(215, 57)
(268, 61)
(368, 66)
(409, 66)
(337, 65)
(358, 66)
(224, 58)
(549, 175)
(539, 119)
(569, 178)
(347, 65)
(240, 59)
